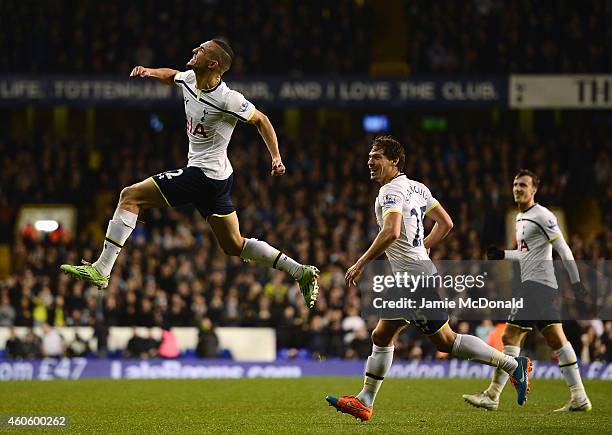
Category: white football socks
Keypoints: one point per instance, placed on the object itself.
(119, 229)
(376, 368)
(500, 377)
(264, 254)
(473, 348)
(568, 364)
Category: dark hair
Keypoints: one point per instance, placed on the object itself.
(227, 56)
(534, 178)
(391, 149)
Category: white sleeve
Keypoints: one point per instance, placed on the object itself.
(431, 201)
(182, 76)
(512, 254)
(566, 255)
(548, 223)
(239, 106)
(391, 198)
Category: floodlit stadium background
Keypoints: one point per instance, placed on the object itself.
(475, 91)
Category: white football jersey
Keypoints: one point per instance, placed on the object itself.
(413, 201)
(536, 229)
(211, 118)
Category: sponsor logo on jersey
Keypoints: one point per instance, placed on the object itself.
(195, 129)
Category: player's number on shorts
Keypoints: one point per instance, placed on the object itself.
(170, 174)
(418, 238)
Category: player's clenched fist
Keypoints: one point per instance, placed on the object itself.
(277, 168)
(139, 71)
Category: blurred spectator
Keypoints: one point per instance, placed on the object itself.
(484, 329)
(351, 324)
(607, 340)
(78, 347)
(360, 346)
(317, 337)
(137, 346)
(52, 342)
(7, 312)
(13, 348)
(31, 347)
(168, 347)
(151, 344)
(495, 336)
(101, 334)
(208, 343)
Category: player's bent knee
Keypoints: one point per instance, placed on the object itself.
(555, 342)
(445, 343)
(232, 247)
(512, 338)
(381, 338)
(128, 196)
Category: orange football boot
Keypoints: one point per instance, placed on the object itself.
(350, 405)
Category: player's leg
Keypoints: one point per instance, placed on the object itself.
(132, 200)
(379, 363)
(513, 338)
(568, 364)
(376, 368)
(469, 347)
(472, 348)
(227, 231)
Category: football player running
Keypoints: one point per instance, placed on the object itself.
(400, 207)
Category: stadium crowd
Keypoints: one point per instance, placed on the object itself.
(103, 38)
(491, 36)
(172, 272)
(327, 37)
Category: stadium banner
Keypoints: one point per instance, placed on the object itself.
(592, 91)
(348, 92)
(475, 290)
(81, 368)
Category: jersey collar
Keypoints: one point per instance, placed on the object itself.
(525, 211)
(207, 91)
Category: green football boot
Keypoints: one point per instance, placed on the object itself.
(309, 285)
(86, 272)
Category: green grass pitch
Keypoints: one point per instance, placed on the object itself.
(298, 406)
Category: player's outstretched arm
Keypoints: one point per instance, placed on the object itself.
(560, 245)
(266, 130)
(392, 226)
(564, 251)
(443, 225)
(164, 75)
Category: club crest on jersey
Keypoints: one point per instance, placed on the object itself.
(389, 200)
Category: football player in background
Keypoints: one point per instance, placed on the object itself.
(537, 234)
